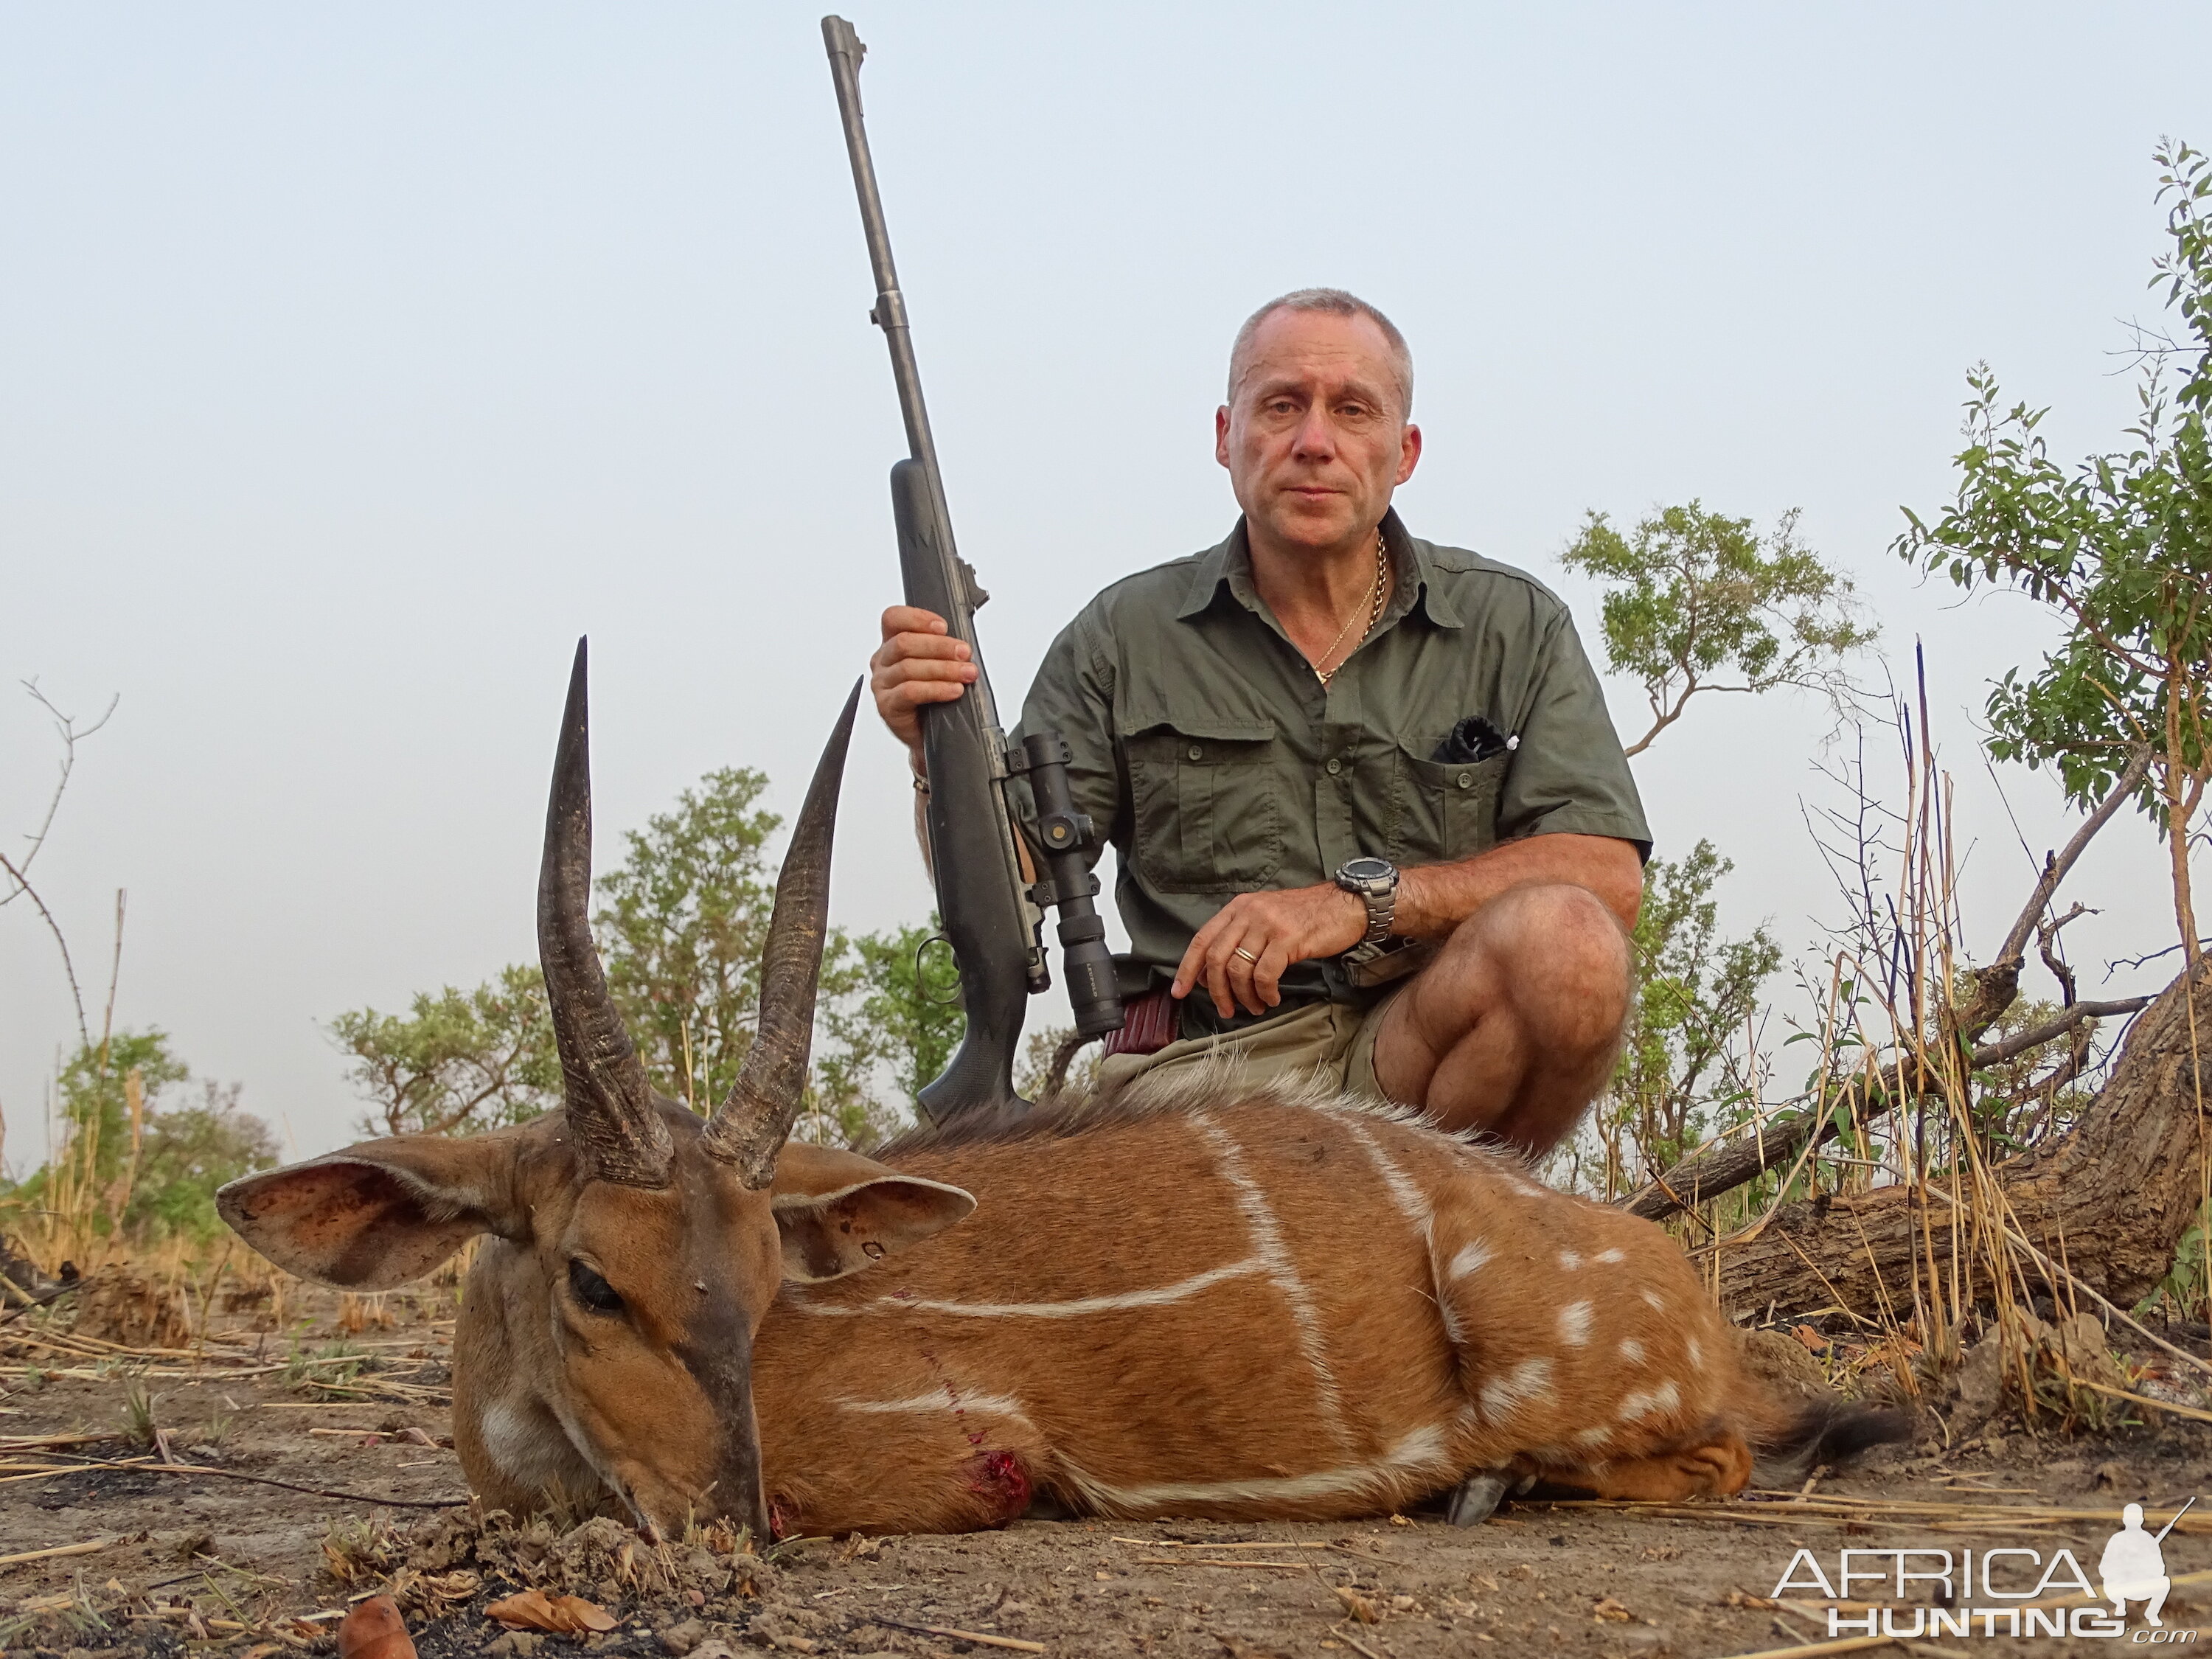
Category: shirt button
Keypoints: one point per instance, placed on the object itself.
(1196, 753)
(1334, 767)
(1465, 779)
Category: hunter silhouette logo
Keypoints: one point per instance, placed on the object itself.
(2133, 1566)
(2012, 1591)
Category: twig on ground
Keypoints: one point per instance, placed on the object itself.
(137, 1467)
(977, 1636)
(90, 1547)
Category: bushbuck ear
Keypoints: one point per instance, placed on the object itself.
(828, 1235)
(378, 1214)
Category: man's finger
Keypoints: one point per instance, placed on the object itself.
(1244, 977)
(1218, 961)
(912, 619)
(901, 674)
(1267, 972)
(909, 647)
(1193, 958)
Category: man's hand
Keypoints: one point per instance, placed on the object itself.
(919, 662)
(1241, 954)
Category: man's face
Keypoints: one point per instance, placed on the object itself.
(1314, 436)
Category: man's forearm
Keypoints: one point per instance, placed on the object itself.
(1435, 898)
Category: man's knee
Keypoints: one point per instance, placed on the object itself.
(1556, 950)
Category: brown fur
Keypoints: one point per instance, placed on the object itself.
(884, 1410)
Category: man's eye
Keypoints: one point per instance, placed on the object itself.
(593, 1292)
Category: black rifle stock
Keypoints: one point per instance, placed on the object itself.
(992, 917)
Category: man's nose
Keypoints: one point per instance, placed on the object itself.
(1315, 438)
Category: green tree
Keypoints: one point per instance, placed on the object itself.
(188, 1152)
(1697, 601)
(2120, 546)
(903, 1017)
(457, 1061)
(1696, 991)
(681, 924)
(93, 1093)
(683, 918)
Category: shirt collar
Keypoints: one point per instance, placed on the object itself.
(1230, 563)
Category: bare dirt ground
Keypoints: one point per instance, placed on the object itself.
(209, 1561)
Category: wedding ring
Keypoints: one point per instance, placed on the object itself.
(1247, 954)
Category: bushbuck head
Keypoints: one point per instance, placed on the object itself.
(605, 1344)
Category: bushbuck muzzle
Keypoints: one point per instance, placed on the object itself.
(605, 1344)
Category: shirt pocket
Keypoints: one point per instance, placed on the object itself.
(1204, 796)
(1444, 810)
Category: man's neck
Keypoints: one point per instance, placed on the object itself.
(1310, 589)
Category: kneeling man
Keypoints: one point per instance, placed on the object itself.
(1371, 815)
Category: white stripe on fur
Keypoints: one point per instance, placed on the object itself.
(1075, 1308)
(1422, 1453)
(1268, 1248)
(943, 1400)
(1412, 1203)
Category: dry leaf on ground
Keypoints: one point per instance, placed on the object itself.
(374, 1630)
(563, 1615)
(1355, 1604)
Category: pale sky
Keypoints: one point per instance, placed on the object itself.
(354, 360)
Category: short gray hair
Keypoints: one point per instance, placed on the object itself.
(1335, 302)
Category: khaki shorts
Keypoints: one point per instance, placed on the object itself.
(1329, 1038)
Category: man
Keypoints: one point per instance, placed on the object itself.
(1372, 817)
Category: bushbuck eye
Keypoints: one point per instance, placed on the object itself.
(593, 1292)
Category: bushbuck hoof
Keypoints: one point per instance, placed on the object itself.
(1476, 1498)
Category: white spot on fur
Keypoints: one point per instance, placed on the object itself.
(1526, 1191)
(1268, 1248)
(1423, 1456)
(1631, 1351)
(1570, 1260)
(1470, 1257)
(1646, 1402)
(1575, 1323)
(1594, 1436)
(534, 1450)
(1696, 1353)
(1527, 1383)
(1614, 1255)
(1652, 1298)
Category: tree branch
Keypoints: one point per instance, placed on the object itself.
(1721, 1166)
(68, 968)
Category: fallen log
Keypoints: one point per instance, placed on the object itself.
(2111, 1198)
(1723, 1167)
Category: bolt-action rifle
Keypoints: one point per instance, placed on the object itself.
(993, 916)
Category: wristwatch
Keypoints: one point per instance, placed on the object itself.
(1375, 883)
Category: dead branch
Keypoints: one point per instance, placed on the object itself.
(1723, 1166)
(2110, 1198)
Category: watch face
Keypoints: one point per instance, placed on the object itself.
(1368, 870)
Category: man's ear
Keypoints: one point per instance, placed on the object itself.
(378, 1214)
(829, 1234)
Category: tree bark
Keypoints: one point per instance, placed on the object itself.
(2110, 1199)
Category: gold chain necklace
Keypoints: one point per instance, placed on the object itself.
(1374, 609)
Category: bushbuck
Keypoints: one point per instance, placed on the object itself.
(1198, 1299)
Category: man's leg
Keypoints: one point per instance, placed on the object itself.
(2158, 1587)
(1515, 1026)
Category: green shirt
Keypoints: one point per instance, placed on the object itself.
(1214, 760)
